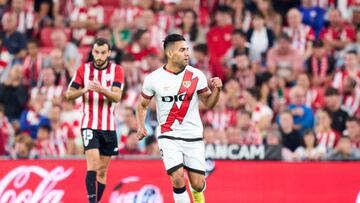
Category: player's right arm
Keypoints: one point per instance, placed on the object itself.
(141, 110)
(146, 94)
(76, 87)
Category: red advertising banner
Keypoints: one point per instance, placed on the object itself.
(145, 181)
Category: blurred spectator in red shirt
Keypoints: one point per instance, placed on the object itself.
(301, 35)
(25, 16)
(284, 60)
(351, 97)
(350, 69)
(243, 72)
(239, 46)
(219, 39)
(314, 97)
(23, 147)
(5, 59)
(85, 20)
(6, 132)
(126, 12)
(327, 137)
(249, 134)
(338, 34)
(201, 59)
(166, 16)
(321, 65)
(131, 144)
(33, 64)
(141, 46)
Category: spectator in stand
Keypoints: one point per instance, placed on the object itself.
(131, 144)
(6, 133)
(31, 119)
(261, 114)
(70, 51)
(219, 39)
(249, 134)
(190, 29)
(13, 94)
(333, 104)
(220, 117)
(234, 94)
(166, 16)
(273, 91)
(303, 115)
(85, 20)
(326, 136)
(25, 18)
(4, 6)
(284, 60)
(146, 21)
(212, 136)
(351, 70)
(351, 97)
(120, 33)
(354, 46)
(338, 34)
(312, 15)
(353, 131)
(310, 150)
(45, 145)
(273, 139)
(272, 18)
(5, 60)
(23, 147)
(301, 35)
(33, 64)
(314, 97)
(241, 16)
(239, 46)
(141, 46)
(290, 137)
(201, 59)
(14, 41)
(320, 65)
(43, 13)
(48, 89)
(57, 63)
(343, 151)
(260, 38)
(243, 73)
(126, 12)
(151, 146)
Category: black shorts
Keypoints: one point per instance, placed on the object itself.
(104, 140)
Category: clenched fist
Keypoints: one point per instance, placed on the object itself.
(216, 82)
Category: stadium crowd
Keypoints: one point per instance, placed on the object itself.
(290, 68)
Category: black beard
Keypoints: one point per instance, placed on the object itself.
(100, 65)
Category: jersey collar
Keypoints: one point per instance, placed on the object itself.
(172, 72)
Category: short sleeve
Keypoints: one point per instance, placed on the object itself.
(202, 85)
(78, 78)
(147, 89)
(119, 77)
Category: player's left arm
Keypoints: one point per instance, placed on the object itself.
(211, 97)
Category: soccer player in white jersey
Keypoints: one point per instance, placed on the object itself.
(100, 84)
(177, 88)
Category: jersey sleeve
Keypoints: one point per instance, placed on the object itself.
(119, 77)
(147, 90)
(78, 78)
(202, 85)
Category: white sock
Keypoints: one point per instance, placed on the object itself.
(182, 197)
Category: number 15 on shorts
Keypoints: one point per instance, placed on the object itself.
(87, 136)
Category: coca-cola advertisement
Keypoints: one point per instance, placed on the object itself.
(145, 181)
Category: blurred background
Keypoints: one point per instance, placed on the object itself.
(290, 70)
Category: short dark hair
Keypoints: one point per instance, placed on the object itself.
(34, 41)
(102, 41)
(170, 39)
(239, 32)
(149, 140)
(138, 34)
(254, 92)
(259, 15)
(353, 119)
(202, 48)
(222, 8)
(331, 91)
(284, 36)
(352, 52)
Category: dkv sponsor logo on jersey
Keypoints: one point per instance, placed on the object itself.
(130, 189)
(14, 185)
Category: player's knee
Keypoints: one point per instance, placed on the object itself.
(177, 179)
(198, 184)
(101, 172)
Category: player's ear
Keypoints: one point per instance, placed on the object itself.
(109, 53)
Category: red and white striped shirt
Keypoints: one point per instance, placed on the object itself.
(98, 111)
(300, 36)
(221, 119)
(328, 139)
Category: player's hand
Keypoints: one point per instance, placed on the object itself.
(216, 82)
(141, 133)
(95, 85)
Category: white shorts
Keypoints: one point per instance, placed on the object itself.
(179, 153)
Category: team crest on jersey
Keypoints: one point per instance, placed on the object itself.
(187, 84)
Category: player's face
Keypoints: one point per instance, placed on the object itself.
(180, 54)
(100, 54)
